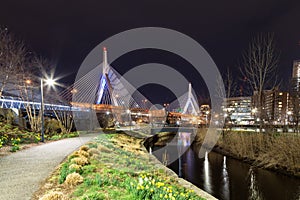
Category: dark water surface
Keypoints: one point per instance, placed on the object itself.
(227, 178)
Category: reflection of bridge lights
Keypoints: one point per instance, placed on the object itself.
(206, 170)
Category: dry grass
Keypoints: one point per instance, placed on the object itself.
(54, 195)
(76, 167)
(279, 152)
(93, 151)
(102, 148)
(80, 160)
(73, 179)
(83, 153)
(84, 148)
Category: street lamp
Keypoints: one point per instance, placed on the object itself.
(51, 82)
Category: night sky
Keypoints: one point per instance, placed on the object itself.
(66, 31)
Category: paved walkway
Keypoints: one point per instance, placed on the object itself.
(23, 171)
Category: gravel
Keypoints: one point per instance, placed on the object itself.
(22, 172)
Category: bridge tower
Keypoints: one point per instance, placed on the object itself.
(105, 83)
(191, 102)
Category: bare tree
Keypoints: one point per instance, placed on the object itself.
(12, 58)
(230, 84)
(29, 87)
(259, 66)
(65, 120)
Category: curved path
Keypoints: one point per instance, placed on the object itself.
(23, 171)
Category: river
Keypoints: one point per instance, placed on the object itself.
(226, 178)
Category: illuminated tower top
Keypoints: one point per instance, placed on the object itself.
(105, 64)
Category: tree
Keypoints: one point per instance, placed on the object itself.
(65, 120)
(12, 59)
(230, 89)
(259, 67)
(29, 87)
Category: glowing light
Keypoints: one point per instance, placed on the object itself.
(207, 181)
(50, 82)
(74, 91)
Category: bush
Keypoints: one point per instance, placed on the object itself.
(83, 153)
(54, 195)
(103, 148)
(80, 160)
(93, 151)
(73, 179)
(84, 148)
(75, 167)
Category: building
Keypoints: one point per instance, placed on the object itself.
(275, 106)
(238, 110)
(294, 107)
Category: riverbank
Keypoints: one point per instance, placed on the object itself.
(278, 153)
(116, 166)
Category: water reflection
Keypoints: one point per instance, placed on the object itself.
(254, 193)
(183, 141)
(206, 172)
(226, 192)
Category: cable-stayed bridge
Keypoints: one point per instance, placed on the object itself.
(104, 90)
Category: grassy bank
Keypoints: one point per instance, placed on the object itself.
(278, 152)
(114, 166)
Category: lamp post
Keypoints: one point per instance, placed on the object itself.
(42, 111)
(50, 82)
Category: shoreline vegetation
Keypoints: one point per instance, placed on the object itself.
(275, 152)
(115, 166)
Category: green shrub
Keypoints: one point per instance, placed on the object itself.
(64, 171)
(55, 137)
(94, 195)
